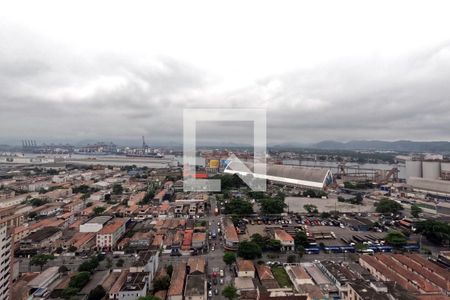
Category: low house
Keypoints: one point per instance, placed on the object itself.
(266, 277)
(246, 288)
(198, 240)
(195, 287)
(231, 236)
(245, 268)
(43, 238)
(148, 262)
(286, 240)
(130, 286)
(298, 276)
(196, 265)
(177, 282)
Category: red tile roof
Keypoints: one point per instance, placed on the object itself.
(245, 265)
(283, 235)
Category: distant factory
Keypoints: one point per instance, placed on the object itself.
(431, 177)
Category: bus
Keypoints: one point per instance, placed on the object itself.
(312, 250)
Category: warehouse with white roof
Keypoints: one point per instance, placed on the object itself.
(306, 177)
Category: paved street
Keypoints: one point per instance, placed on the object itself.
(215, 258)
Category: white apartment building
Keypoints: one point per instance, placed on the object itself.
(5, 263)
(108, 236)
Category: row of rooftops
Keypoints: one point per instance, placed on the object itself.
(411, 271)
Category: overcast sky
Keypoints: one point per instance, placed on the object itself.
(340, 70)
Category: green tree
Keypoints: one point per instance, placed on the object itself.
(301, 240)
(69, 292)
(387, 206)
(41, 260)
(89, 265)
(149, 298)
(272, 206)
(291, 258)
(161, 283)
(120, 263)
(239, 207)
(359, 199)
(258, 239)
(99, 210)
(395, 239)
(97, 293)
(310, 208)
(79, 280)
(32, 215)
(169, 270)
(273, 245)
(435, 231)
(229, 258)
(230, 292)
(415, 210)
(63, 269)
(117, 189)
(36, 202)
(249, 250)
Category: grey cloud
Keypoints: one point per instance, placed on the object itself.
(47, 90)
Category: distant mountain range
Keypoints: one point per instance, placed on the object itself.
(401, 146)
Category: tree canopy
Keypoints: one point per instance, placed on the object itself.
(161, 283)
(249, 250)
(387, 206)
(79, 280)
(149, 298)
(435, 231)
(415, 210)
(396, 239)
(99, 210)
(238, 207)
(117, 189)
(97, 293)
(272, 206)
(301, 240)
(41, 260)
(89, 265)
(310, 208)
(230, 292)
(229, 258)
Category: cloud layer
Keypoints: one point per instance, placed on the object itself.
(50, 91)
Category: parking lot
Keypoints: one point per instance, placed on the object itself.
(295, 205)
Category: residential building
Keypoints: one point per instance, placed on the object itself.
(286, 240)
(95, 224)
(195, 287)
(245, 268)
(148, 261)
(5, 262)
(108, 236)
(130, 286)
(230, 236)
(177, 282)
(43, 238)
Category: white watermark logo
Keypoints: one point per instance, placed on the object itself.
(253, 174)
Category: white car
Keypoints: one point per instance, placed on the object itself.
(209, 293)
